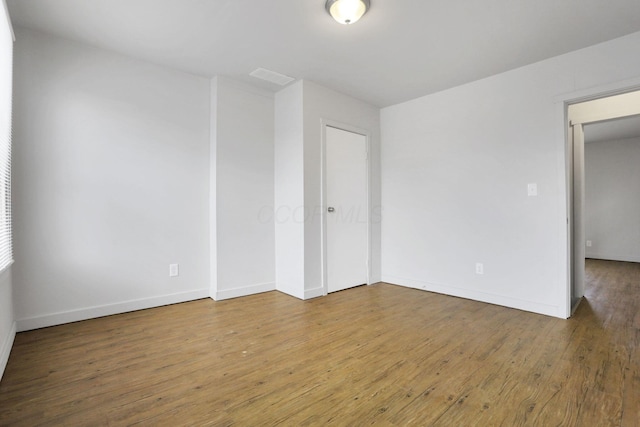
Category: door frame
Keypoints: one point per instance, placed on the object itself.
(324, 123)
(574, 166)
(576, 213)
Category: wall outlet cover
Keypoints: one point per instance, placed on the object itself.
(174, 270)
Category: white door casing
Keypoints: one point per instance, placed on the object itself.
(578, 229)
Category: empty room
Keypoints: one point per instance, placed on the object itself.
(312, 212)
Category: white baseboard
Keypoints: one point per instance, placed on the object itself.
(613, 257)
(313, 293)
(243, 291)
(5, 350)
(532, 306)
(287, 291)
(108, 309)
(306, 294)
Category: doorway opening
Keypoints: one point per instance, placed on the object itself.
(580, 114)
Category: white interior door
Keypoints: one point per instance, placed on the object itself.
(347, 215)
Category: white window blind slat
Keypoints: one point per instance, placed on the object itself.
(6, 97)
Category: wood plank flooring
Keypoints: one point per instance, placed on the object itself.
(381, 354)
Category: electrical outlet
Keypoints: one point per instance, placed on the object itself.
(479, 268)
(173, 270)
(588, 243)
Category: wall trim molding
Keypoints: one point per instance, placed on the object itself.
(313, 293)
(501, 300)
(288, 291)
(613, 257)
(60, 318)
(5, 350)
(243, 291)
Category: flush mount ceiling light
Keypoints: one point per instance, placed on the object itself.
(347, 11)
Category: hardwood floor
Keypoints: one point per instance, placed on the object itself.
(381, 354)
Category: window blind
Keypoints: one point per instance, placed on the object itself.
(6, 96)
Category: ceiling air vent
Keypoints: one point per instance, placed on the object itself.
(271, 76)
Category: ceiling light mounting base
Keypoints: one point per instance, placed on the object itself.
(347, 11)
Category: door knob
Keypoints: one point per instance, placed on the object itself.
(330, 209)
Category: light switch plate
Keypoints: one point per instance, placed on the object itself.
(532, 189)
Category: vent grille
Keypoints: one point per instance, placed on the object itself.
(271, 76)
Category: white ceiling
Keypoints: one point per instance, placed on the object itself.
(399, 50)
(613, 130)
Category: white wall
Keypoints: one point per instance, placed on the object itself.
(322, 103)
(111, 172)
(455, 170)
(242, 136)
(289, 190)
(300, 110)
(612, 202)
